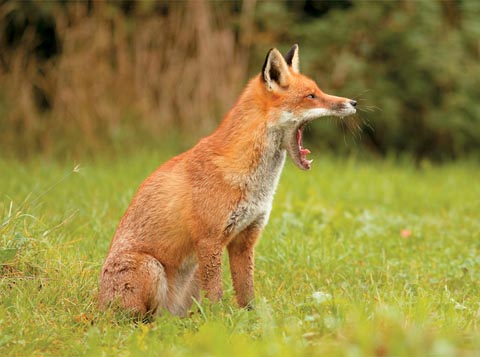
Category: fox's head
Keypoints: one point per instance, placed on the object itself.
(295, 100)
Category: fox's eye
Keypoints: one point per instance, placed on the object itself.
(311, 96)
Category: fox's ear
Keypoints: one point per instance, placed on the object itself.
(292, 58)
(275, 70)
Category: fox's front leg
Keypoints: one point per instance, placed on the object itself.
(241, 256)
(210, 269)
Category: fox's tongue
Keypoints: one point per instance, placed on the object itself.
(303, 152)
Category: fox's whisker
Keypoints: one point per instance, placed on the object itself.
(362, 93)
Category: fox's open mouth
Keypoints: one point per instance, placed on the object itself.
(296, 150)
(294, 143)
(303, 151)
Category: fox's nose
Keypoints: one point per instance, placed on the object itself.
(353, 103)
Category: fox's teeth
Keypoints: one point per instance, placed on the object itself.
(310, 161)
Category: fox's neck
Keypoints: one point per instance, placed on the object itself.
(244, 140)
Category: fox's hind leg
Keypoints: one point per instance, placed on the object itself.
(184, 288)
(134, 281)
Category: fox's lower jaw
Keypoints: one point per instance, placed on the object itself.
(294, 145)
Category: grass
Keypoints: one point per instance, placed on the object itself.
(359, 258)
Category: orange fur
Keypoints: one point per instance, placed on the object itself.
(169, 243)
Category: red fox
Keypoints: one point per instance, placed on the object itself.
(168, 246)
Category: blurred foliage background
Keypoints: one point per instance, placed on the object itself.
(79, 78)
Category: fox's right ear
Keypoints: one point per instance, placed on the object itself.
(292, 58)
(275, 71)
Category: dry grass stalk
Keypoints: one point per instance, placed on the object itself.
(176, 70)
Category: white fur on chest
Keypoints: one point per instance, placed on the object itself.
(259, 191)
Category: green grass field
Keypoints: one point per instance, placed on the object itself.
(359, 258)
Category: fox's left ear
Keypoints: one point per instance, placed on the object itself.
(275, 72)
(292, 58)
